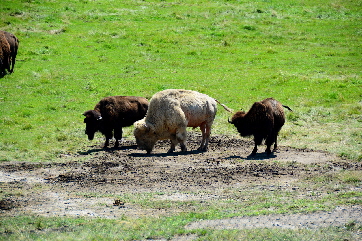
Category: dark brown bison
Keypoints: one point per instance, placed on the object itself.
(14, 45)
(264, 121)
(4, 54)
(112, 113)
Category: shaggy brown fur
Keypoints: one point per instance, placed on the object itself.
(112, 113)
(14, 45)
(264, 120)
(4, 54)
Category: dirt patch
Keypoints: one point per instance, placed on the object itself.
(89, 188)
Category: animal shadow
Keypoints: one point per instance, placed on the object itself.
(165, 154)
(107, 149)
(257, 156)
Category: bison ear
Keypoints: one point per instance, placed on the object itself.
(88, 114)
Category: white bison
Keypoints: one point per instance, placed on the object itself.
(169, 114)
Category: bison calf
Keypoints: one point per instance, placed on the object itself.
(112, 113)
(264, 121)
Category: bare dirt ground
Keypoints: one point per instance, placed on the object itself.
(88, 188)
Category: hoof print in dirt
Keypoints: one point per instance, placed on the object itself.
(119, 203)
(7, 204)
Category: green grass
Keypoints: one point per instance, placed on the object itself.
(307, 54)
(304, 53)
(37, 228)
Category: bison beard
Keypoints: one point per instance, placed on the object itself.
(264, 120)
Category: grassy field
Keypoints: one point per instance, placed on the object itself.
(306, 54)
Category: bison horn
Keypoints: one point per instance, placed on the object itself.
(99, 118)
(229, 121)
(147, 128)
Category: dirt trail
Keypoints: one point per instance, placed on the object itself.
(68, 188)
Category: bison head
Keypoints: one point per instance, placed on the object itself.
(145, 136)
(240, 121)
(93, 122)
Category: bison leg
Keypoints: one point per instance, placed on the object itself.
(268, 150)
(106, 143)
(268, 145)
(269, 142)
(109, 136)
(181, 138)
(173, 144)
(254, 150)
(276, 142)
(205, 130)
(275, 146)
(118, 136)
(257, 140)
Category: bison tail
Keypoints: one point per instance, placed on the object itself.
(225, 107)
(287, 108)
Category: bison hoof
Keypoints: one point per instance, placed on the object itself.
(183, 148)
(202, 149)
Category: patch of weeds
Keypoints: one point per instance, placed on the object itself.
(353, 226)
(250, 28)
(351, 177)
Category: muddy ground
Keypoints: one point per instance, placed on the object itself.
(88, 188)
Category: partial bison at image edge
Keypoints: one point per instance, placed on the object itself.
(264, 120)
(111, 114)
(9, 45)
